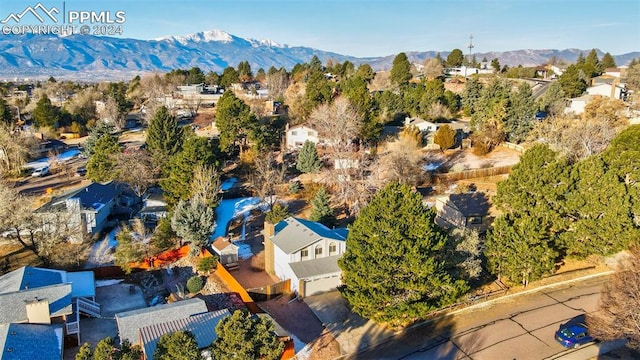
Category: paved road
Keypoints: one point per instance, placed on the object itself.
(519, 328)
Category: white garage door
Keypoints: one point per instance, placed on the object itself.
(317, 286)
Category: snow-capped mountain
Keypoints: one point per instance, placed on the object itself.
(89, 57)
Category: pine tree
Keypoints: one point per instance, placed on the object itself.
(401, 70)
(322, 211)
(104, 349)
(164, 137)
(179, 345)
(608, 61)
(194, 222)
(393, 269)
(278, 213)
(127, 251)
(233, 120)
(518, 250)
(6, 115)
(45, 114)
(308, 160)
(521, 113)
(101, 167)
(246, 336)
(99, 130)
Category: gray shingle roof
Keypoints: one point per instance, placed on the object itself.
(30, 341)
(316, 267)
(28, 277)
(89, 196)
(130, 321)
(293, 234)
(470, 204)
(203, 326)
(13, 305)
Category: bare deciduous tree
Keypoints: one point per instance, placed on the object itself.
(619, 307)
(206, 185)
(267, 177)
(432, 68)
(111, 114)
(136, 169)
(338, 123)
(401, 161)
(15, 148)
(277, 84)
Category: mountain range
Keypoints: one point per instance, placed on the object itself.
(94, 58)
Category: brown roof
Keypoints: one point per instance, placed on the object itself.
(221, 243)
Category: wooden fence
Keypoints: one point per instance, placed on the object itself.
(513, 146)
(472, 174)
(268, 292)
(235, 286)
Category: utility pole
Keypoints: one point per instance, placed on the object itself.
(469, 60)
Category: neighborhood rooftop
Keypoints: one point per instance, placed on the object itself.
(31, 341)
(130, 322)
(13, 305)
(293, 234)
(316, 267)
(91, 197)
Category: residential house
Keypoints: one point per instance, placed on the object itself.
(226, 250)
(557, 71)
(619, 72)
(33, 295)
(615, 90)
(577, 105)
(422, 125)
(88, 207)
(130, 322)
(191, 90)
(202, 326)
(306, 252)
(463, 211)
(297, 135)
(154, 208)
(31, 341)
(485, 68)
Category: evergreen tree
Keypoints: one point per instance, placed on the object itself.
(573, 81)
(45, 114)
(315, 65)
(455, 58)
(521, 113)
(365, 72)
(517, 249)
(592, 66)
(246, 336)
(393, 269)
(229, 76)
(244, 71)
(471, 96)
(194, 222)
(608, 61)
(495, 64)
(308, 160)
(322, 211)
(164, 137)
(445, 137)
(277, 213)
(233, 119)
(401, 70)
(179, 345)
(99, 130)
(127, 251)
(104, 349)
(101, 167)
(599, 207)
(553, 99)
(318, 91)
(196, 151)
(84, 353)
(6, 115)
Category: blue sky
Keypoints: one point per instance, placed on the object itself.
(377, 27)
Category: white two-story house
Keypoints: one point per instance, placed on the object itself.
(306, 252)
(297, 135)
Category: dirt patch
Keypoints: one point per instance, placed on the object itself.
(295, 316)
(13, 255)
(324, 347)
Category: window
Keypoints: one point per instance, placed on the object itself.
(304, 253)
(332, 248)
(475, 220)
(294, 133)
(318, 250)
(311, 133)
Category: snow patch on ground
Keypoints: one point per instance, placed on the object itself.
(101, 253)
(432, 166)
(228, 184)
(244, 250)
(302, 349)
(230, 209)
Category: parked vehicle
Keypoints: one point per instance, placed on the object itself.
(574, 333)
(43, 171)
(81, 171)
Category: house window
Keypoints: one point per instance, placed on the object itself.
(304, 253)
(474, 220)
(311, 133)
(332, 249)
(294, 133)
(318, 251)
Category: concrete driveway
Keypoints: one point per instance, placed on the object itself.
(352, 332)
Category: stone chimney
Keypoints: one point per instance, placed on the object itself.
(269, 261)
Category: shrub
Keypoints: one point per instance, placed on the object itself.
(195, 284)
(294, 187)
(208, 263)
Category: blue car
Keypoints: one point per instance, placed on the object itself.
(574, 333)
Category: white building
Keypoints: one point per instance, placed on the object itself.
(297, 135)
